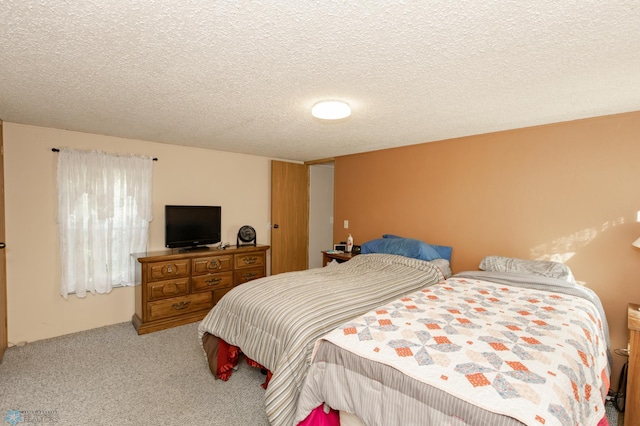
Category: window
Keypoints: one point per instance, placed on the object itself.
(104, 210)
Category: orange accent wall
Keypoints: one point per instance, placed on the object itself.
(568, 192)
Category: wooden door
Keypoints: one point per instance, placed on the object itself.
(289, 217)
(3, 275)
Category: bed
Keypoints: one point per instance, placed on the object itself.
(274, 321)
(495, 347)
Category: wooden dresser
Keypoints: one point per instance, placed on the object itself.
(632, 402)
(174, 288)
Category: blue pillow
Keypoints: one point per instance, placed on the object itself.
(443, 251)
(407, 247)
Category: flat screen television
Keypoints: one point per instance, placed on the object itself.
(192, 227)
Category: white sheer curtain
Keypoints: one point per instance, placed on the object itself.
(104, 210)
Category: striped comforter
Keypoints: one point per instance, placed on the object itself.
(276, 320)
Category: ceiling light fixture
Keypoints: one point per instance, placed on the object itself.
(331, 110)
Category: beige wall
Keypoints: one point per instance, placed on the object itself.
(568, 192)
(181, 176)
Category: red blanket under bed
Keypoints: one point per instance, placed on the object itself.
(223, 357)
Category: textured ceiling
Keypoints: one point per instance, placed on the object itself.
(243, 76)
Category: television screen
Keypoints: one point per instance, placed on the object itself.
(192, 226)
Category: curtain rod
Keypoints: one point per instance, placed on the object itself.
(57, 150)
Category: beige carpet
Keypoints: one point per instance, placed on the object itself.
(112, 376)
(615, 418)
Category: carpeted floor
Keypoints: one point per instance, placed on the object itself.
(112, 376)
(615, 418)
(612, 414)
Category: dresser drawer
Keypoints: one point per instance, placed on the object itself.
(163, 289)
(178, 306)
(249, 260)
(157, 271)
(244, 275)
(212, 281)
(207, 265)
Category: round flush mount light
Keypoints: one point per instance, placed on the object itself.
(331, 110)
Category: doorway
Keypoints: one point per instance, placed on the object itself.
(320, 211)
(301, 214)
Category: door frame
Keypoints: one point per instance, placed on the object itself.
(4, 330)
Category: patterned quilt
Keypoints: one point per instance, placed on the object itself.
(539, 357)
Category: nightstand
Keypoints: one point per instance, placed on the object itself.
(339, 257)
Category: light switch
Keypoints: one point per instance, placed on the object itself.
(346, 224)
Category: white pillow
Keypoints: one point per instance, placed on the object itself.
(544, 268)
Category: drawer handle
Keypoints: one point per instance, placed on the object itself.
(182, 305)
(214, 264)
(249, 275)
(250, 260)
(213, 281)
(170, 269)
